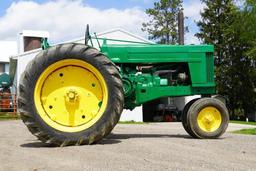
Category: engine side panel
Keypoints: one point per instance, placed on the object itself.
(148, 85)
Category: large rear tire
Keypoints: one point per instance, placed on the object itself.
(70, 94)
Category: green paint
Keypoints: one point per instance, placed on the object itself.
(44, 43)
(143, 85)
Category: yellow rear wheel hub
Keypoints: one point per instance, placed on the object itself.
(71, 95)
(209, 119)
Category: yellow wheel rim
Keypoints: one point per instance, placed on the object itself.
(71, 95)
(209, 119)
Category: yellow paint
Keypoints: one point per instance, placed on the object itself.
(68, 93)
(209, 119)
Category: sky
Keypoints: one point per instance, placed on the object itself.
(66, 19)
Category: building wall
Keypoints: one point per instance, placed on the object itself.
(23, 60)
(6, 67)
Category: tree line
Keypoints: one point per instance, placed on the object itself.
(232, 31)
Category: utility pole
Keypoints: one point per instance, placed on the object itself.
(181, 27)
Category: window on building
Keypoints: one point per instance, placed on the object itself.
(2, 67)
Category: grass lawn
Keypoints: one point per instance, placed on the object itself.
(243, 122)
(7, 116)
(246, 131)
(131, 122)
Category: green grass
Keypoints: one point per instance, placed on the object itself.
(243, 122)
(131, 122)
(7, 116)
(246, 131)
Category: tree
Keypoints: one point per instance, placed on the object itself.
(248, 26)
(226, 27)
(247, 32)
(163, 24)
(242, 69)
(217, 17)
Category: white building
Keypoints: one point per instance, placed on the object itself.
(7, 49)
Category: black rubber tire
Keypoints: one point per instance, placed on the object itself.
(193, 112)
(221, 98)
(184, 117)
(44, 59)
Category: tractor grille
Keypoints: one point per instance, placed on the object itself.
(210, 67)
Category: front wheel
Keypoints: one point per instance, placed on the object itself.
(184, 117)
(207, 118)
(70, 94)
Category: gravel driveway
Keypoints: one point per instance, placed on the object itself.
(155, 146)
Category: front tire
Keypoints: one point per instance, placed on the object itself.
(70, 94)
(208, 118)
(184, 117)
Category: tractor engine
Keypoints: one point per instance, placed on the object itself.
(135, 78)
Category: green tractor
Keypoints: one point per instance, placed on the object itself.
(74, 94)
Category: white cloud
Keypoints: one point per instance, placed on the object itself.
(66, 19)
(192, 9)
(190, 38)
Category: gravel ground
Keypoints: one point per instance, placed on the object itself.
(155, 146)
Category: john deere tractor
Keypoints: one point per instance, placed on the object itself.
(74, 94)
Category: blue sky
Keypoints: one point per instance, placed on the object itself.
(101, 4)
(19, 15)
